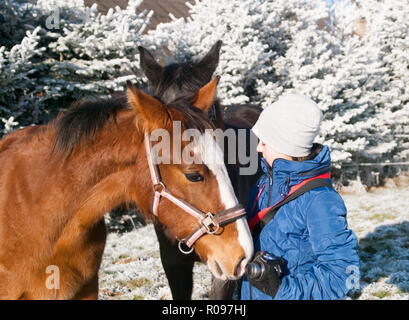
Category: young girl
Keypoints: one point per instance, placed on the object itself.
(309, 252)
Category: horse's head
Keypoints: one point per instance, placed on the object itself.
(195, 174)
(179, 79)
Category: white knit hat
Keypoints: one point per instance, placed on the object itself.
(290, 125)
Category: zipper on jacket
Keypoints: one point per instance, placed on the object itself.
(270, 182)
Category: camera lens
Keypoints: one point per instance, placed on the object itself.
(254, 270)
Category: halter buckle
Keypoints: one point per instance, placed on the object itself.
(208, 222)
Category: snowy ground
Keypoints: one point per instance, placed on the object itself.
(380, 219)
(131, 267)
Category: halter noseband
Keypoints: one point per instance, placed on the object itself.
(209, 223)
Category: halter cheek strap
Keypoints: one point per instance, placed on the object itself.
(209, 223)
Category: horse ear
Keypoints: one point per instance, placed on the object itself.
(150, 67)
(210, 61)
(206, 95)
(152, 111)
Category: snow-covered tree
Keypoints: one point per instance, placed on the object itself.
(370, 80)
(55, 51)
(351, 58)
(239, 24)
(275, 47)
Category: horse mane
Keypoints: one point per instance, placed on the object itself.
(84, 119)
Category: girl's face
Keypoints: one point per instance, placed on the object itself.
(269, 154)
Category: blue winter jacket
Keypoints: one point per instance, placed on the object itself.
(310, 233)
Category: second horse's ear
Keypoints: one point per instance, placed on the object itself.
(149, 66)
(206, 95)
(210, 61)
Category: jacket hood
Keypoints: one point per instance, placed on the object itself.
(286, 173)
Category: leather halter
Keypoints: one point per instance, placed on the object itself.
(209, 223)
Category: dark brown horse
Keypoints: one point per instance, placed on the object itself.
(183, 80)
(57, 181)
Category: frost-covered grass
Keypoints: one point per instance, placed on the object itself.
(131, 267)
(380, 219)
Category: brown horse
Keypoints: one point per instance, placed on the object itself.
(57, 182)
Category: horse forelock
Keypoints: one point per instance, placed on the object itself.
(190, 116)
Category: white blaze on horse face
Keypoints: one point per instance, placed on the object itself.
(213, 157)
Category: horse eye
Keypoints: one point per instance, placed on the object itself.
(194, 177)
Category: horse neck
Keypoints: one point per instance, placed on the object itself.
(122, 175)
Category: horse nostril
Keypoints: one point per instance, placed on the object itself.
(239, 270)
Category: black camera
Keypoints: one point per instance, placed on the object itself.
(263, 263)
(265, 272)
